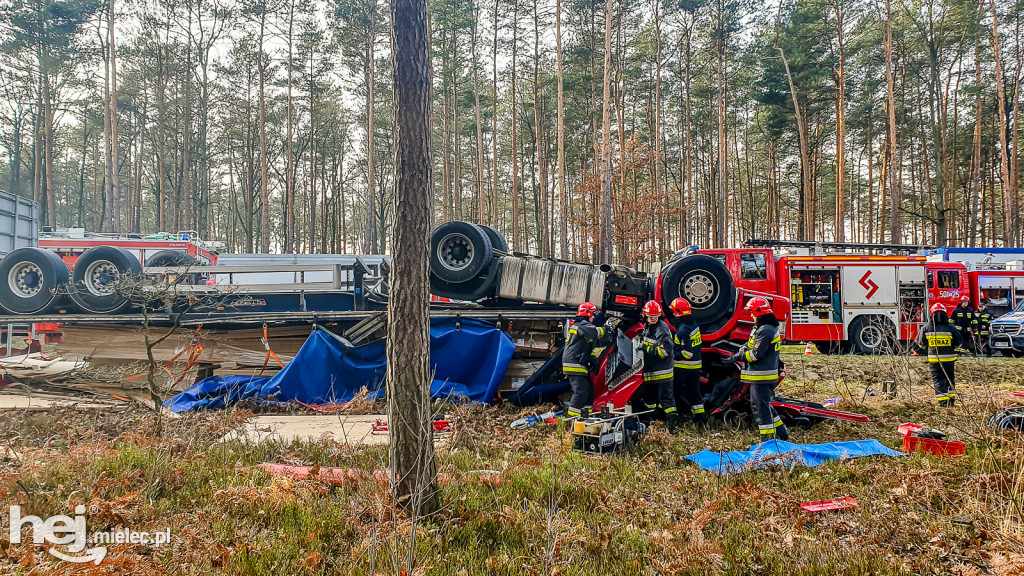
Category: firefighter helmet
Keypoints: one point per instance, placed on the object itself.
(937, 307)
(586, 310)
(652, 308)
(758, 306)
(965, 299)
(680, 307)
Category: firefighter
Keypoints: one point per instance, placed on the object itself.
(964, 320)
(577, 358)
(688, 363)
(984, 322)
(941, 340)
(760, 356)
(658, 392)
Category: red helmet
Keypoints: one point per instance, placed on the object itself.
(586, 310)
(937, 307)
(652, 308)
(680, 307)
(965, 298)
(758, 306)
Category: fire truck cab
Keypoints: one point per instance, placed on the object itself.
(850, 302)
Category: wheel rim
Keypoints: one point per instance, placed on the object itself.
(25, 279)
(872, 336)
(101, 277)
(698, 288)
(455, 251)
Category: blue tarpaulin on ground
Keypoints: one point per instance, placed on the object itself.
(779, 453)
(469, 358)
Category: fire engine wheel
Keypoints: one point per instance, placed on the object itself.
(94, 281)
(871, 335)
(459, 251)
(29, 280)
(706, 284)
(497, 240)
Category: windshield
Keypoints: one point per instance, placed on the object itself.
(1020, 306)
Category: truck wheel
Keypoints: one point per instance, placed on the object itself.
(94, 280)
(171, 258)
(497, 240)
(459, 251)
(706, 284)
(29, 280)
(872, 335)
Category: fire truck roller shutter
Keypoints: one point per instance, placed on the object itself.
(170, 258)
(459, 251)
(94, 281)
(706, 284)
(497, 240)
(872, 334)
(30, 279)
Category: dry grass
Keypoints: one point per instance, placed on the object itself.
(549, 510)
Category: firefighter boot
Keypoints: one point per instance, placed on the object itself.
(673, 422)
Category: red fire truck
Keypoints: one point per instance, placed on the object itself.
(164, 249)
(857, 302)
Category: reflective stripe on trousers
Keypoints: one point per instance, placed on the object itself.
(759, 375)
(658, 375)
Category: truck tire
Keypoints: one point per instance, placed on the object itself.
(497, 240)
(706, 284)
(459, 251)
(170, 258)
(94, 279)
(30, 279)
(872, 335)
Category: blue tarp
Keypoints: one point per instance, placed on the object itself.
(469, 358)
(777, 452)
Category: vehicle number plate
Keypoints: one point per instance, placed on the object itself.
(1001, 344)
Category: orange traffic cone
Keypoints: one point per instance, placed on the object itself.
(807, 350)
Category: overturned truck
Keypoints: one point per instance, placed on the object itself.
(470, 262)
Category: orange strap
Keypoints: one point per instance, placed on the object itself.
(194, 349)
(270, 353)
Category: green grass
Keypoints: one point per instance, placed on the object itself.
(553, 511)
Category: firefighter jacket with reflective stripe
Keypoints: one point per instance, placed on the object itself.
(984, 320)
(940, 341)
(761, 355)
(657, 347)
(688, 345)
(964, 318)
(576, 355)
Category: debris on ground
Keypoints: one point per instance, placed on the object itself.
(833, 504)
(778, 452)
(917, 437)
(37, 367)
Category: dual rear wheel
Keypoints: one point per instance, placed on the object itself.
(34, 280)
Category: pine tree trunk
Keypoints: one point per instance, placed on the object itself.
(1010, 235)
(481, 204)
(892, 161)
(372, 243)
(606, 141)
(542, 229)
(264, 160)
(413, 467)
(563, 242)
(840, 77)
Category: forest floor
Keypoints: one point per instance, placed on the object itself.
(547, 510)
